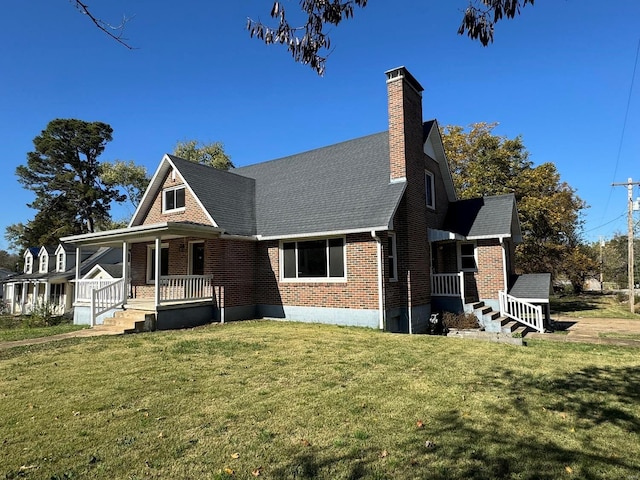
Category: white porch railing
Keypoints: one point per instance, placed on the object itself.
(107, 297)
(186, 287)
(447, 284)
(524, 312)
(85, 287)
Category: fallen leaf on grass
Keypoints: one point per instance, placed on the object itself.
(256, 472)
(229, 471)
(384, 454)
(429, 444)
(568, 469)
(305, 442)
(419, 424)
(235, 455)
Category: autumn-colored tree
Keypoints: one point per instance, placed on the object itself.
(483, 163)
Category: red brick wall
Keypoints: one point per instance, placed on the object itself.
(231, 262)
(360, 291)
(191, 213)
(490, 275)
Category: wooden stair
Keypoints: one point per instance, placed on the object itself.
(130, 321)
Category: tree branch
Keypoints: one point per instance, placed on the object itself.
(104, 26)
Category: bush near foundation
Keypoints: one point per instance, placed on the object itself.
(460, 321)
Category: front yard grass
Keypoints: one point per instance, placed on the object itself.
(291, 400)
(20, 328)
(591, 305)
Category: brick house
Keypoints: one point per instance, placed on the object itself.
(367, 232)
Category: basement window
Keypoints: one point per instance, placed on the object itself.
(313, 259)
(173, 199)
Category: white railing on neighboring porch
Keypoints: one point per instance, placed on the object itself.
(447, 284)
(524, 312)
(186, 287)
(85, 287)
(106, 298)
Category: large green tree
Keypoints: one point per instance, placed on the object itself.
(64, 173)
(132, 178)
(211, 154)
(483, 163)
(307, 40)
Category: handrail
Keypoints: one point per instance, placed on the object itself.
(186, 287)
(84, 287)
(524, 312)
(447, 284)
(104, 299)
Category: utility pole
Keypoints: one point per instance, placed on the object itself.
(631, 279)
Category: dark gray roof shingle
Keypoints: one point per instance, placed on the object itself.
(532, 285)
(482, 217)
(336, 188)
(228, 197)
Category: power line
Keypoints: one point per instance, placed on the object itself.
(605, 224)
(624, 124)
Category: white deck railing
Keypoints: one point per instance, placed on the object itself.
(524, 312)
(85, 287)
(186, 287)
(107, 297)
(447, 284)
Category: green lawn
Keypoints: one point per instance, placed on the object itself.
(19, 328)
(592, 305)
(288, 400)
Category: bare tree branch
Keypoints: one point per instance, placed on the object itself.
(114, 31)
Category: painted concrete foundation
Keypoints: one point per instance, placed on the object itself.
(82, 315)
(332, 316)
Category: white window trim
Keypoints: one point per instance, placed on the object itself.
(150, 249)
(429, 177)
(342, 279)
(28, 263)
(61, 262)
(475, 257)
(393, 276)
(164, 193)
(43, 263)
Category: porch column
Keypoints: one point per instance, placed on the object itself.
(157, 260)
(23, 300)
(34, 299)
(125, 269)
(47, 292)
(78, 261)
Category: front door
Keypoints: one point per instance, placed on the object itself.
(197, 259)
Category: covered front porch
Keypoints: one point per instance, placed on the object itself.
(178, 280)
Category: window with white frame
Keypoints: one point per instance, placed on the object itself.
(173, 199)
(28, 263)
(44, 262)
(314, 259)
(60, 262)
(151, 262)
(429, 189)
(468, 257)
(392, 256)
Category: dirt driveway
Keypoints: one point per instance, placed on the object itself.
(605, 331)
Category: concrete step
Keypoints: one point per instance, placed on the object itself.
(131, 321)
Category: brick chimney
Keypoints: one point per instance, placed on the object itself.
(405, 122)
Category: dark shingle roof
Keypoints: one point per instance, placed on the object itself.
(482, 217)
(532, 285)
(228, 197)
(336, 188)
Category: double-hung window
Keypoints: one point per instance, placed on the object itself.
(468, 257)
(151, 262)
(173, 199)
(60, 262)
(314, 259)
(44, 263)
(429, 189)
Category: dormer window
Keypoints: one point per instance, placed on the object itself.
(173, 199)
(429, 189)
(44, 262)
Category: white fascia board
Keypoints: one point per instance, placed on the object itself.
(489, 237)
(162, 168)
(330, 233)
(533, 300)
(93, 270)
(435, 139)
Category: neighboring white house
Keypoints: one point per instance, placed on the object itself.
(48, 277)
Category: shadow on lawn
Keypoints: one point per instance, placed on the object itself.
(475, 450)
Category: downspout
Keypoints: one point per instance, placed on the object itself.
(504, 264)
(380, 284)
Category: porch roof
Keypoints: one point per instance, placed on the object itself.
(533, 287)
(144, 233)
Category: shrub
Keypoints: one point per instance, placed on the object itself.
(460, 321)
(42, 316)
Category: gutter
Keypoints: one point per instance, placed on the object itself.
(380, 284)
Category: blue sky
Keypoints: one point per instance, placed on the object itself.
(560, 75)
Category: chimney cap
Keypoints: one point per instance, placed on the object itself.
(402, 72)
